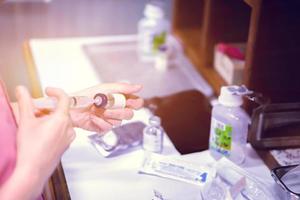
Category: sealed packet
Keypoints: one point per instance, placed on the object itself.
(120, 140)
(177, 169)
(239, 183)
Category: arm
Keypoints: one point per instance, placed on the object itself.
(40, 143)
(24, 183)
(97, 119)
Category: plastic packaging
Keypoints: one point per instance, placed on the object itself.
(120, 140)
(153, 135)
(229, 126)
(233, 182)
(177, 169)
(152, 31)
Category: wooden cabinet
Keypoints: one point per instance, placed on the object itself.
(271, 29)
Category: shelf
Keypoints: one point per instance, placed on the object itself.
(190, 39)
(252, 3)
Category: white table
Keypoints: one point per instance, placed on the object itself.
(88, 174)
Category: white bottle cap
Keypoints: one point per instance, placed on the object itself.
(155, 121)
(153, 10)
(229, 98)
(119, 101)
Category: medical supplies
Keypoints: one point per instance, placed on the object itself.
(233, 182)
(120, 140)
(100, 100)
(229, 125)
(152, 31)
(153, 135)
(177, 169)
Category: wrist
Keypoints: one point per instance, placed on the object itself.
(24, 183)
(30, 181)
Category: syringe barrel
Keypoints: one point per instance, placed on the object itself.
(51, 102)
(106, 101)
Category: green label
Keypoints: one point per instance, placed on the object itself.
(158, 40)
(221, 137)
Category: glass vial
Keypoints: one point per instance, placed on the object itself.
(152, 31)
(153, 135)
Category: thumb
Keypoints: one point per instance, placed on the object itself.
(26, 108)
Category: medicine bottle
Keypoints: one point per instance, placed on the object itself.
(153, 135)
(152, 31)
(229, 126)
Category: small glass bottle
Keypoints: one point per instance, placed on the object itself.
(152, 31)
(153, 135)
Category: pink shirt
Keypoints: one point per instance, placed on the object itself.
(8, 130)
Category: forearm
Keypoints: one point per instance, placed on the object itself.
(24, 183)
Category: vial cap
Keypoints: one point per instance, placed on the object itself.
(100, 100)
(155, 121)
(229, 98)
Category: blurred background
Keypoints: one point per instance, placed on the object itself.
(21, 20)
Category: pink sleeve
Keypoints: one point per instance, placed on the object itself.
(8, 129)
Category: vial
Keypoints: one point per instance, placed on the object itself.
(152, 31)
(111, 101)
(153, 135)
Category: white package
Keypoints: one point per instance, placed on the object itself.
(177, 169)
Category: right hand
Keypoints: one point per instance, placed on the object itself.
(41, 141)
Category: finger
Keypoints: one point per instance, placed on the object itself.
(135, 103)
(124, 88)
(119, 114)
(101, 124)
(62, 99)
(114, 122)
(25, 104)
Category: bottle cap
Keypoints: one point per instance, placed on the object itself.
(228, 96)
(154, 10)
(155, 121)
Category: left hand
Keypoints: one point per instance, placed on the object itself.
(102, 120)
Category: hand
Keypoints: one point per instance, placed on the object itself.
(41, 140)
(102, 120)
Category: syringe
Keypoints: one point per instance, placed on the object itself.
(100, 100)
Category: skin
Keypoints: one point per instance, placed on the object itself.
(42, 137)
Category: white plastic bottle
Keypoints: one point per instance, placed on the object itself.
(153, 135)
(229, 126)
(152, 31)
